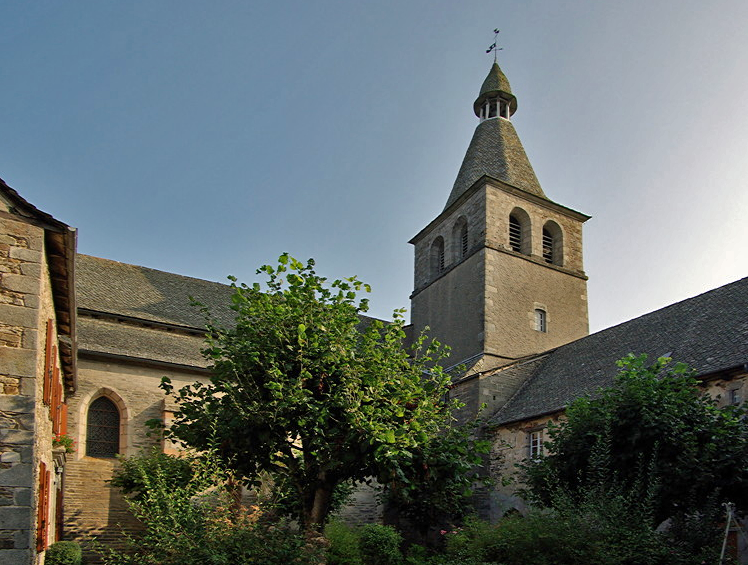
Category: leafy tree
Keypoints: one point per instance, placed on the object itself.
(439, 479)
(304, 389)
(652, 434)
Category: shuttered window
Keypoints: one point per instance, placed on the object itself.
(102, 437)
(515, 234)
(42, 513)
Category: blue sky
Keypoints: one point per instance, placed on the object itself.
(206, 138)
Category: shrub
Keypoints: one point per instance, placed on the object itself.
(64, 553)
(380, 545)
(344, 544)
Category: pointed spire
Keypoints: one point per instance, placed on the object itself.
(495, 149)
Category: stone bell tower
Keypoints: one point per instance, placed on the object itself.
(498, 274)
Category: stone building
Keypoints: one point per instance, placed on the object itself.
(498, 275)
(37, 373)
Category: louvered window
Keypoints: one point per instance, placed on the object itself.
(102, 429)
(547, 246)
(441, 259)
(515, 234)
(464, 242)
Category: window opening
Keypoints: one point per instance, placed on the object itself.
(540, 320)
(102, 428)
(441, 258)
(547, 246)
(515, 234)
(735, 396)
(535, 444)
(464, 241)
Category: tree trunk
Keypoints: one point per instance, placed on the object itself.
(317, 506)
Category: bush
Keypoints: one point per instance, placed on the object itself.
(191, 518)
(64, 553)
(344, 544)
(380, 545)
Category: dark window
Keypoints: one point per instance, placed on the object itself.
(464, 241)
(547, 246)
(541, 323)
(102, 429)
(515, 234)
(437, 257)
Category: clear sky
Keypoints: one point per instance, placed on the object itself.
(206, 138)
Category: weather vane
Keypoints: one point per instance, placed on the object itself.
(493, 47)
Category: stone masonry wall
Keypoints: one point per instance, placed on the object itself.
(25, 305)
(92, 507)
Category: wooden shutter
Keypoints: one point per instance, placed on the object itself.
(64, 419)
(42, 518)
(54, 409)
(50, 354)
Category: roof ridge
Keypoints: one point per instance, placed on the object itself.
(152, 269)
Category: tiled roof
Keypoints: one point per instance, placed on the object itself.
(708, 332)
(496, 151)
(147, 294)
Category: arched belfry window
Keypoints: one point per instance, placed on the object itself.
(553, 246)
(437, 256)
(102, 428)
(460, 238)
(519, 232)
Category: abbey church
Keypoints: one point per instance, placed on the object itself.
(498, 275)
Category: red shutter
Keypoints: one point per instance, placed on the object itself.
(64, 419)
(42, 515)
(54, 409)
(50, 353)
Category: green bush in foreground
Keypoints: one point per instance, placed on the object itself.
(344, 544)
(380, 545)
(63, 553)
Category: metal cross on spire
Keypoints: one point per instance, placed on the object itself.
(493, 47)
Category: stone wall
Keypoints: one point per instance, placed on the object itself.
(25, 426)
(92, 507)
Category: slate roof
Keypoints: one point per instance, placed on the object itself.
(708, 332)
(496, 151)
(127, 290)
(142, 343)
(140, 296)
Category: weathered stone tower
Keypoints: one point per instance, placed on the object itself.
(498, 274)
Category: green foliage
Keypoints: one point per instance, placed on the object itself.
(344, 544)
(380, 545)
(604, 530)
(135, 475)
(653, 423)
(302, 389)
(434, 485)
(63, 553)
(197, 522)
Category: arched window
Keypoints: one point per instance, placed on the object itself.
(519, 232)
(102, 428)
(437, 256)
(541, 322)
(553, 246)
(460, 238)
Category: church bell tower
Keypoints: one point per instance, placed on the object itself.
(499, 274)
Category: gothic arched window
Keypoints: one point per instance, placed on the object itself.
(102, 428)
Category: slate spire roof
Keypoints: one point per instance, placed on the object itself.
(495, 149)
